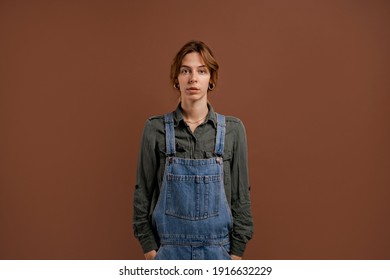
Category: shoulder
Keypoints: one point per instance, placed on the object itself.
(155, 121)
(153, 125)
(233, 120)
(235, 124)
(235, 130)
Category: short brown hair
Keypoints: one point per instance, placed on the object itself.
(206, 54)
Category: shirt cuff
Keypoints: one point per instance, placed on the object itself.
(148, 245)
(237, 247)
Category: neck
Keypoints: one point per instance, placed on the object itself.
(193, 111)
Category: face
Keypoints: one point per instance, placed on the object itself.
(194, 78)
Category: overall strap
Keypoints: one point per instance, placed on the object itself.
(220, 138)
(169, 134)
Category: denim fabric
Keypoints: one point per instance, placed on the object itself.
(192, 216)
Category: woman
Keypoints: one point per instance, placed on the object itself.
(192, 194)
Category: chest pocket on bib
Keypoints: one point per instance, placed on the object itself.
(193, 197)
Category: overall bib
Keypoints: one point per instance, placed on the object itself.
(192, 217)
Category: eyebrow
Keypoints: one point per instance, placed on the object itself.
(201, 66)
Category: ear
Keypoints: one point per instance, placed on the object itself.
(176, 84)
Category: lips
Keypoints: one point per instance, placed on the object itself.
(193, 88)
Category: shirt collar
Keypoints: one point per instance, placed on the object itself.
(178, 115)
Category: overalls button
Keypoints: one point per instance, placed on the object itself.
(206, 179)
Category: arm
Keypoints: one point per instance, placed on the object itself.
(145, 184)
(240, 204)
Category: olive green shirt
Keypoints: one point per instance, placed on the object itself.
(195, 145)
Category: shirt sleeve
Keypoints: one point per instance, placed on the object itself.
(146, 183)
(240, 205)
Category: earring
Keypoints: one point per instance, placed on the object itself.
(211, 86)
(176, 86)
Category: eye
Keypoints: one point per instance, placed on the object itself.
(184, 71)
(202, 71)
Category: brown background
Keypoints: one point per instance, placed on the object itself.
(310, 80)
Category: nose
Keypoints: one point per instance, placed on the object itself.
(193, 78)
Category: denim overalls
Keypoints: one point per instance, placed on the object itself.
(192, 217)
